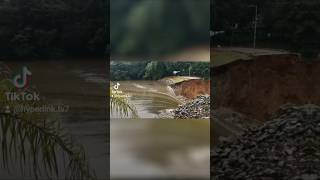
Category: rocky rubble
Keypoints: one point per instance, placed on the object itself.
(237, 119)
(197, 108)
(228, 123)
(285, 147)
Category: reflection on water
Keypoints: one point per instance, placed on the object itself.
(160, 148)
(150, 98)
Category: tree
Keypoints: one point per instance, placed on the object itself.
(53, 28)
(297, 22)
(155, 70)
(157, 27)
(285, 24)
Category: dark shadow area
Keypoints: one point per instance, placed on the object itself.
(265, 99)
(53, 29)
(290, 25)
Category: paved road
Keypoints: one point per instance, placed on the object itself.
(255, 52)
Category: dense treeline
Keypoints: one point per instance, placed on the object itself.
(288, 24)
(154, 70)
(153, 27)
(52, 28)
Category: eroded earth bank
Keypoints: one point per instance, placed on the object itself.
(266, 119)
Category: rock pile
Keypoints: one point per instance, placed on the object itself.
(286, 147)
(228, 123)
(197, 108)
(237, 119)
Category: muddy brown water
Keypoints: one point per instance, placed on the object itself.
(81, 85)
(149, 98)
(138, 148)
(153, 148)
(149, 147)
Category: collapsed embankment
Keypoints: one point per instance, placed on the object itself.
(192, 88)
(285, 144)
(258, 87)
(196, 97)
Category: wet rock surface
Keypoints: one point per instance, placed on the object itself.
(197, 108)
(285, 147)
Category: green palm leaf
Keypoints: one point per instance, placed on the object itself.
(40, 143)
(122, 106)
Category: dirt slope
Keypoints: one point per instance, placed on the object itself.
(260, 86)
(192, 88)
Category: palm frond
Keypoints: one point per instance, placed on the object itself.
(122, 106)
(40, 144)
(37, 144)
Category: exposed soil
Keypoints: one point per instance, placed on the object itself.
(192, 88)
(195, 95)
(283, 145)
(258, 87)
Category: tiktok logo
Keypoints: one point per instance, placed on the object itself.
(21, 80)
(116, 87)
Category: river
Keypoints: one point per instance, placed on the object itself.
(149, 98)
(160, 149)
(139, 148)
(81, 85)
(150, 147)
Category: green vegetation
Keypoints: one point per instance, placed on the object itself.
(156, 27)
(122, 106)
(283, 24)
(52, 28)
(40, 143)
(37, 143)
(154, 70)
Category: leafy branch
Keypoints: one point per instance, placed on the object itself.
(121, 105)
(39, 143)
(32, 139)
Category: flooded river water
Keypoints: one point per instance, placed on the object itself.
(149, 98)
(151, 147)
(170, 149)
(139, 148)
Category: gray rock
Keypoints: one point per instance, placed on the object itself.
(197, 108)
(285, 147)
